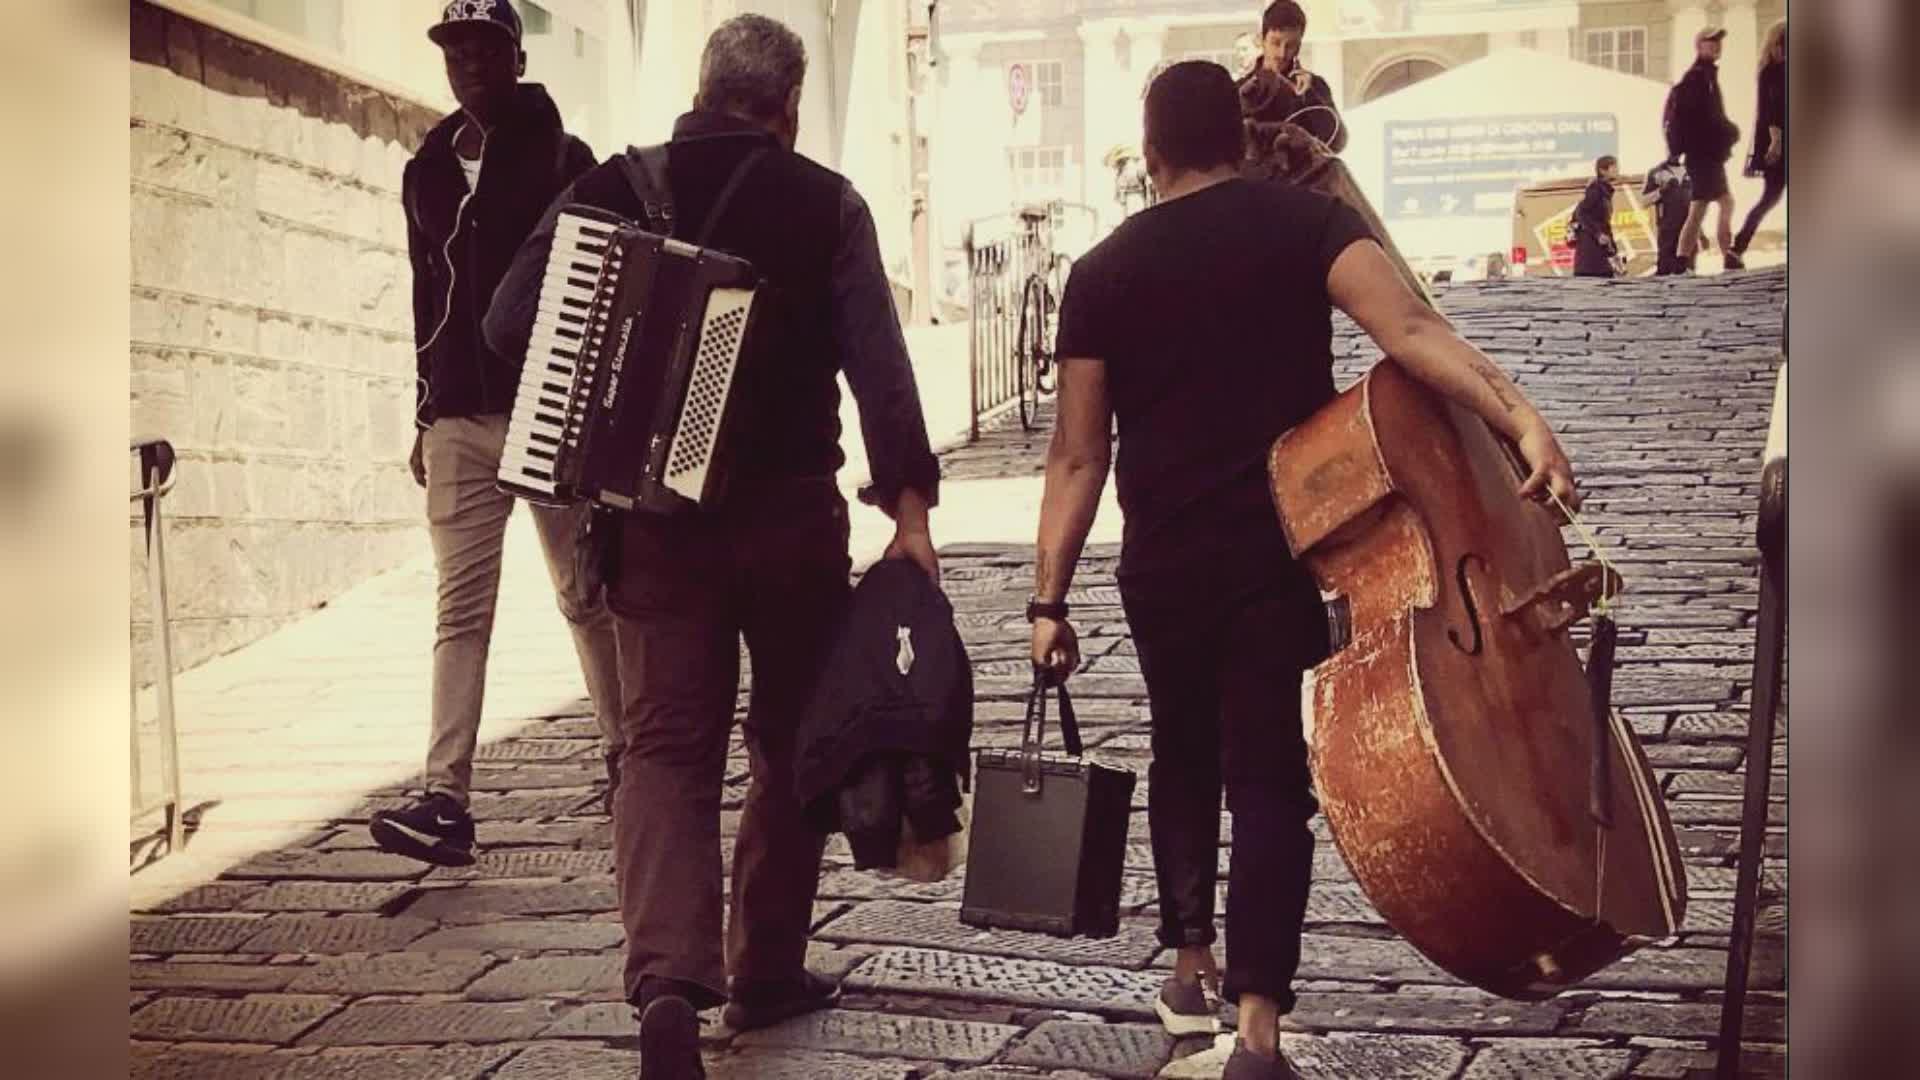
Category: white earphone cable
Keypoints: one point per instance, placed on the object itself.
(453, 275)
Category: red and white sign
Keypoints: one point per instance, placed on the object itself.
(1019, 87)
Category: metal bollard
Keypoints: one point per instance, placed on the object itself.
(155, 458)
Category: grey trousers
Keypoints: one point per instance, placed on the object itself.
(467, 518)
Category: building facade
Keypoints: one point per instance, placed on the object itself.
(1037, 93)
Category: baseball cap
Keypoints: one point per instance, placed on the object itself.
(1711, 33)
(498, 13)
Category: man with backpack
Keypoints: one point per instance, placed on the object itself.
(769, 565)
(1698, 127)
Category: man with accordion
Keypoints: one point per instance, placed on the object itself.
(684, 312)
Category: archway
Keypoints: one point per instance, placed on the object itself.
(1398, 74)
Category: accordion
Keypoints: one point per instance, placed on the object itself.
(628, 388)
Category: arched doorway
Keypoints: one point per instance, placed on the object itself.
(1400, 74)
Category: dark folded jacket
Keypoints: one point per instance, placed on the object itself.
(885, 737)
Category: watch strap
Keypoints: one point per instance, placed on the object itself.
(1041, 609)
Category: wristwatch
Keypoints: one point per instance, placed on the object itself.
(1041, 609)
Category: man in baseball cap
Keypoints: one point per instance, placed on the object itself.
(462, 15)
(1698, 127)
(475, 190)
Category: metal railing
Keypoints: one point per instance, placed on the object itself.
(155, 460)
(1003, 251)
(1769, 661)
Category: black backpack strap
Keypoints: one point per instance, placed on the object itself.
(646, 172)
(727, 193)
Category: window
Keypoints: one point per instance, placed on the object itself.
(317, 21)
(1226, 58)
(535, 19)
(1038, 171)
(1399, 75)
(1622, 48)
(1050, 83)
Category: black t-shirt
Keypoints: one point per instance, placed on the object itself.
(1212, 316)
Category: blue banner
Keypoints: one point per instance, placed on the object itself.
(1471, 166)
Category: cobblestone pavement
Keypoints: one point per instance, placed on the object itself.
(317, 957)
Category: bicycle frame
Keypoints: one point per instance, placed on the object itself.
(1006, 254)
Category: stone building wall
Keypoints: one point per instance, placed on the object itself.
(271, 328)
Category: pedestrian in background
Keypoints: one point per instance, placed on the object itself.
(1280, 88)
(473, 192)
(1673, 195)
(1594, 249)
(1768, 158)
(1697, 126)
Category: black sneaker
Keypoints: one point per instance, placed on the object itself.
(1247, 1065)
(436, 829)
(758, 1005)
(670, 1040)
(1733, 261)
(1184, 1009)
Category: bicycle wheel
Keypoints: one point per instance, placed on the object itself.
(1055, 291)
(1030, 350)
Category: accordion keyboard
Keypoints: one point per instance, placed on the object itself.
(547, 413)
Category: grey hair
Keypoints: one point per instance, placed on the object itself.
(751, 64)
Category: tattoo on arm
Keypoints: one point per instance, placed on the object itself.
(1496, 382)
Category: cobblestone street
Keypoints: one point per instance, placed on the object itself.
(280, 944)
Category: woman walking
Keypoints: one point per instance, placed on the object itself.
(1769, 156)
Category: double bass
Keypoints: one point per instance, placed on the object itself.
(1493, 807)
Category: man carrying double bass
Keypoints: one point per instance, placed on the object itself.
(1204, 324)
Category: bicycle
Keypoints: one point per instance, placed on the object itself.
(1039, 313)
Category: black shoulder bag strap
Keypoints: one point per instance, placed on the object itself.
(727, 193)
(1033, 734)
(646, 172)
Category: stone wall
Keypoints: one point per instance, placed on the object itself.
(271, 328)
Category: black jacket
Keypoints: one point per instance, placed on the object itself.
(1697, 124)
(461, 244)
(1770, 111)
(1593, 251)
(885, 736)
(1269, 98)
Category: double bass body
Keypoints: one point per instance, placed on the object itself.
(1452, 736)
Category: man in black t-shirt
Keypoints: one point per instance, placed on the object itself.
(1205, 325)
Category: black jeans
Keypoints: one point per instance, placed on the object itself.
(1776, 189)
(1223, 653)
